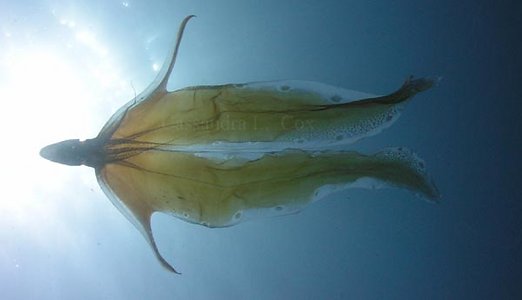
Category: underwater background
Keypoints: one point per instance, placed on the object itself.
(66, 66)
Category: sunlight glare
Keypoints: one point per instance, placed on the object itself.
(50, 95)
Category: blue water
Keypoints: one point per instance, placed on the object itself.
(358, 244)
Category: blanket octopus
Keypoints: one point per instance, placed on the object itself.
(219, 155)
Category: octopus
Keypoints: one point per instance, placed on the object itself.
(219, 155)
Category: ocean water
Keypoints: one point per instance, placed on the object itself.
(66, 66)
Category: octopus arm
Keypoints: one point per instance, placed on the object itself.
(139, 214)
(267, 116)
(217, 191)
(157, 88)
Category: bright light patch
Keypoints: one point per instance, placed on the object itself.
(49, 95)
(38, 83)
(89, 39)
(68, 23)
